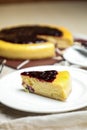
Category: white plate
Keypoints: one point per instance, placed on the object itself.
(13, 95)
(75, 57)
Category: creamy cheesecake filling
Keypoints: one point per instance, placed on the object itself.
(28, 34)
(51, 83)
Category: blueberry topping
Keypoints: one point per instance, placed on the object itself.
(28, 34)
(48, 76)
(30, 89)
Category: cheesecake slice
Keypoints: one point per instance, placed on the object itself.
(52, 84)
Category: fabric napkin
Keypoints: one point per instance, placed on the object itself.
(64, 121)
(19, 64)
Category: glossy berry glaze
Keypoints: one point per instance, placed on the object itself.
(48, 76)
(28, 34)
(29, 88)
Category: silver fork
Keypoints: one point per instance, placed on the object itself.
(2, 63)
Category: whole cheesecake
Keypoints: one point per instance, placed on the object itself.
(52, 84)
(33, 41)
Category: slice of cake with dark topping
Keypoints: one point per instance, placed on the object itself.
(52, 84)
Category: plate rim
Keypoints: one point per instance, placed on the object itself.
(72, 62)
(77, 36)
(63, 67)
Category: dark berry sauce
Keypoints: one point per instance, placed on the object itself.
(48, 76)
(30, 89)
(28, 34)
